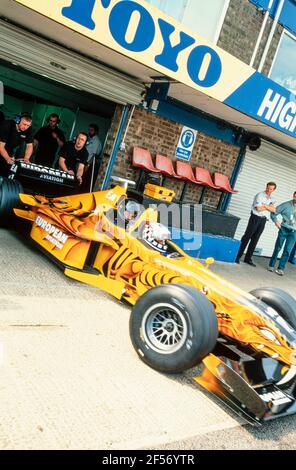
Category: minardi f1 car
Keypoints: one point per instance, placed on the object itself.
(183, 314)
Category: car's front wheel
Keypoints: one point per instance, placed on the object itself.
(173, 327)
(9, 198)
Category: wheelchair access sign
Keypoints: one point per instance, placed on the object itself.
(186, 143)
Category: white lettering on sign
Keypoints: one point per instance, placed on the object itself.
(276, 109)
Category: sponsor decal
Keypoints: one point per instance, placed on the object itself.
(52, 178)
(55, 236)
(277, 397)
(44, 171)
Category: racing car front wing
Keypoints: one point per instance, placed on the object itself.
(256, 389)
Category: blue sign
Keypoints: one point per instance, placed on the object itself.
(186, 143)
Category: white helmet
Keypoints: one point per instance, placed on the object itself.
(155, 235)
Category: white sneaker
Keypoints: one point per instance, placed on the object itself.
(280, 272)
(270, 269)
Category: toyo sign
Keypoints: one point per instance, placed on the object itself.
(134, 29)
(141, 32)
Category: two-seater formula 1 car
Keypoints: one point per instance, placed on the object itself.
(183, 314)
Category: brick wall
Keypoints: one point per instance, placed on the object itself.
(160, 135)
(241, 29)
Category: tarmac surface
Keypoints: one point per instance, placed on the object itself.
(70, 378)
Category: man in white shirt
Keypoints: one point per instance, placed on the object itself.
(93, 145)
(262, 206)
(94, 149)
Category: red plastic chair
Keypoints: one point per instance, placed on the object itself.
(222, 183)
(203, 177)
(165, 166)
(142, 159)
(185, 172)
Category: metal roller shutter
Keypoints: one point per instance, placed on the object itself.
(268, 163)
(53, 61)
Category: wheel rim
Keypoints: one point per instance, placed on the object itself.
(164, 328)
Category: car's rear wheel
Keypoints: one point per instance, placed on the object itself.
(279, 300)
(173, 327)
(9, 198)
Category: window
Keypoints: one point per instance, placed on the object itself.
(283, 70)
(203, 17)
(172, 8)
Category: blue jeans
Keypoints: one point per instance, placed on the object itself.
(287, 236)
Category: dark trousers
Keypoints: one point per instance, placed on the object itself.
(293, 255)
(285, 236)
(252, 234)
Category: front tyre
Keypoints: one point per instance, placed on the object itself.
(173, 327)
(9, 198)
(279, 300)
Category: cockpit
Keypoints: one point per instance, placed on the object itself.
(142, 224)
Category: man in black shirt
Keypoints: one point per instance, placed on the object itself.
(48, 138)
(73, 156)
(14, 133)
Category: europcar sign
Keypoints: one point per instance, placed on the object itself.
(141, 32)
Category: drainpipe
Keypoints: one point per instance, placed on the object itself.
(271, 34)
(234, 176)
(112, 159)
(266, 16)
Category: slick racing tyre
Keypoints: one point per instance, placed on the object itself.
(173, 327)
(9, 198)
(281, 301)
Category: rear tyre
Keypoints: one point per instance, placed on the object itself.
(281, 301)
(173, 327)
(9, 199)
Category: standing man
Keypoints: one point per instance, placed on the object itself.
(73, 156)
(94, 145)
(287, 234)
(94, 148)
(263, 205)
(14, 133)
(48, 139)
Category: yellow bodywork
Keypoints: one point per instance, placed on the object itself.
(67, 227)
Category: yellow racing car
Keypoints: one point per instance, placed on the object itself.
(183, 314)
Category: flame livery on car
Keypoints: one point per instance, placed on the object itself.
(183, 314)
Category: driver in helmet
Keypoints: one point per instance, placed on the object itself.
(155, 236)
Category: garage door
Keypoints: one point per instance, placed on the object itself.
(268, 163)
(57, 63)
